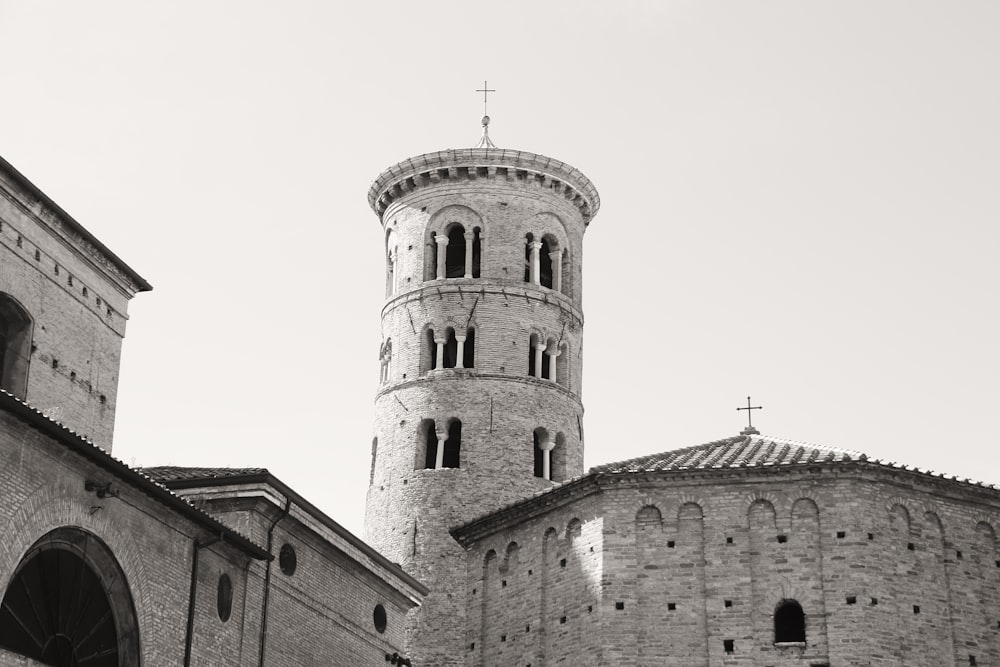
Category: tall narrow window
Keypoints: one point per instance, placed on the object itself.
(545, 264)
(428, 356)
(469, 352)
(539, 454)
(455, 254)
(385, 361)
(391, 258)
(428, 433)
(528, 238)
(15, 346)
(450, 349)
(477, 253)
(789, 622)
(532, 356)
(547, 359)
(453, 445)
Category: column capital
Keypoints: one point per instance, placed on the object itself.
(547, 446)
(460, 339)
(535, 245)
(441, 239)
(440, 341)
(555, 353)
(470, 236)
(541, 346)
(556, 254)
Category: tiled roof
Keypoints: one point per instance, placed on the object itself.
(741, 451)
(167, 474)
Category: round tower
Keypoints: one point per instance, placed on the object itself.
(479, 402)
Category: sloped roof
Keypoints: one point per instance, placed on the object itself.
(167, 474)
(739, 451)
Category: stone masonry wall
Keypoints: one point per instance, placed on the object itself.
(889, 570)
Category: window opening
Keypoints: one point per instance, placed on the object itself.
(450, 349)
(789, 622)
(477, 253)
(453, 445)
(543, 453)
(469, 351)
(430, 443)
(545, 265)
(431, 351)
(528, 238)
(15, 346)
(454, 263)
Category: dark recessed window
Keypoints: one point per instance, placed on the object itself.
(789, 622)
(670, 544)
(729, 540)
(851, 599)
(379, 618)
(841, 534)
(619, 606)
(671, 606)
(225, 597)
(782, 539)
(910, 546)
(727, 603)
(287, 559)
(916, 609)
(729, 645)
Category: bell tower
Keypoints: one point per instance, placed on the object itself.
(479, 401)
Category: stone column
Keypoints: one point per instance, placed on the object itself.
(556, 257)
(547, 448)
(439, 458)
(440, 354)
(460, 352)
(535, 247)
(552, 364)
(442, 255)
(539, 351)
(469, 238)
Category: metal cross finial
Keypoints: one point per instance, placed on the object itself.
(485, 90)
(750, 430)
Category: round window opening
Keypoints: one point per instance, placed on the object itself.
(287, 559)
(225, 598)
(378, 616)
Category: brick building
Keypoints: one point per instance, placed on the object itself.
(490, 543)
(105, 565)
(745, 551)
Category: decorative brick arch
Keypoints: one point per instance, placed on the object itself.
(649, 517)
(765, 505)
(45, 511)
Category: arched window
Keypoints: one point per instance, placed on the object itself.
(454, 263)
(68, 604)
(427, 435)
(453, 445)
(15, 346)
(428, 355)
(545, 264)
(477, 252)
(385, 361)
(789, 622)
(534, 361)
(562, 369)
(469, 356)
(543, 452)
(391, 260)
(528, 240)
(557, 470)
(450, 349)
(371, 476)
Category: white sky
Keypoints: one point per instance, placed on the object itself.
(799, 202)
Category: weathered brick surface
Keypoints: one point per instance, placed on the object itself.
(77, 299)
(410, 509)
(663, 540)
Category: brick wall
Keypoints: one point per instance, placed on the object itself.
(499, 403)
(889, 570)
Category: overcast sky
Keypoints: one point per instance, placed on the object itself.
(799, 202)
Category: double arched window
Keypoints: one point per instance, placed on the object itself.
(549, 455)
(385, 361)
(543, 359)
(457, 252)
(15, 346)
(545, 262)
(789, 623)
(440, 450)
(449, 350)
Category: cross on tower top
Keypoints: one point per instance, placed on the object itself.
(750, 430)
(485, 141)
(485, 90)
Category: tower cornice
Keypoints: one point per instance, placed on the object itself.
(469, 164)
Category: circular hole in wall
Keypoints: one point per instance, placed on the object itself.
(379, 618)
(225, 598)
(287, 559)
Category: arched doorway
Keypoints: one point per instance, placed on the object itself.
(68, 605)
